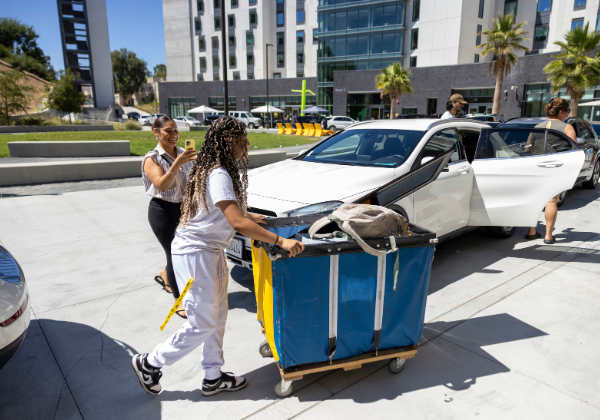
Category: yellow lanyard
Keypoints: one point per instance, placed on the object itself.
(177, 303)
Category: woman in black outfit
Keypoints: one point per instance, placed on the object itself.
(165, 173)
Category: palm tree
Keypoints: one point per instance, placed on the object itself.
(573, 68)
(394, 81)
(504, 39)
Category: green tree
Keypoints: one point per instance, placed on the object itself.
(504, 39)
(18, 46)
(394, 81)
(574, 68)
(160, 70)
(64, 96)
(129, 70)
(15, 94)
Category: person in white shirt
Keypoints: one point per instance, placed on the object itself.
(453, 106)
(214, 208)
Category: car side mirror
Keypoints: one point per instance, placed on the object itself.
(580, 140)
(426, 159)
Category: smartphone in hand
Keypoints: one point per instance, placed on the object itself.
(190, 145)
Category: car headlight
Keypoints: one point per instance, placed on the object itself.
(324, 207)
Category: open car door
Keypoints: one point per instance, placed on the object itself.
(517, 171)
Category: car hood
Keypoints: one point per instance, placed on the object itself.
(291, 184)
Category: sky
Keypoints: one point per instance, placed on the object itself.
(133, 24)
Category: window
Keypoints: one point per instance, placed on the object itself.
(232, 41)
(409, 111)
(199, 77)
(276, 75)
(576, 23)
(413, 61)
(217, 23)
(316, 35)
(510, 143)
(202, 62)
(250, 59)
(416, 10)
(253, 17)
(231, 61)
(201, 44)
(280, 60)
(249, 39)
(234, 3)
(598, 22)
(478, 39)
(299, 16)
(280, 38)
(249, 76)
(510, 6)
(215, 42)
(280, 19)
(580, 4)
(541, 33)
(480, 13)
(300, 37)
(215, 61)
(441, 142)
(217, 4)
(230, 21)
(544, 5)
(300, 58)
(252, 2)
(476, 58)
(280, 1)
(431, 106)
(197, 25)
(414, 39)
(300, 74)
(236, 76)
(200, 5)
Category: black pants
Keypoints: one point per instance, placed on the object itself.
(164, 218)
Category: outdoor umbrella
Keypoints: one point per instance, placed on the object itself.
(201, 110)
(315, 110)
(263, 109)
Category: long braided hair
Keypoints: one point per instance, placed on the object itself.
(217, 150)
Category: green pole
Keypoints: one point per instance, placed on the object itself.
(303, 95)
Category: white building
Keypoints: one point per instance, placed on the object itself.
(193, 39)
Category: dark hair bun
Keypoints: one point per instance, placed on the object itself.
(555, 106)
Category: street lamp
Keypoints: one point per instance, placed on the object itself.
(270, 118)
(224, 54)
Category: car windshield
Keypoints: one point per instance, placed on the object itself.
(367, 147)
(191, 119)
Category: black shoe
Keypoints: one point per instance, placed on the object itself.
(530, 237)
(227, 382)
(550, 241)
(148, 376)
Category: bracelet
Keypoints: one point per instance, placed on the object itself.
(171, 172)
(276, 240)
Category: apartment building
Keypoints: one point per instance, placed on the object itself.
(353, 40)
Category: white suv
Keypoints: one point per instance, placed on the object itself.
(336, 123)
(245, 117)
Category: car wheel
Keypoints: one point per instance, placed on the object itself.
(593, 181)
(251, 126)
(501, 231)
(332, 128)
(561, 198)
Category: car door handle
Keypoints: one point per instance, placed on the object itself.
(550, 164)
(464, 170)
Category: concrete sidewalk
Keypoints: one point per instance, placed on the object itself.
(511, 326)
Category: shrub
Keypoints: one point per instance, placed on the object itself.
(32, 121)
(129, 125)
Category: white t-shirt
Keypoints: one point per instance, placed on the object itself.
(447, 115)
(208, 231)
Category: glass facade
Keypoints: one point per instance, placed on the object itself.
(179, 106)
(537, 96)
(363, 106)
(357, 35)
(216, 102)
(480, 101)
(290, 104)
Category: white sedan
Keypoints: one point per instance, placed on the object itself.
(15, 307)
(499, 178)
(337, 123)
(186, 121)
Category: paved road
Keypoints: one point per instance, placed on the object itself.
(511, 326)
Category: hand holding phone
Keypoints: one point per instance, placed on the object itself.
(190, 145)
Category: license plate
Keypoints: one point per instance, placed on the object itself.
(235, 248)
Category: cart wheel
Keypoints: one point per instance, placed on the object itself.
(283, 388)
(396, 365)
(265, 350)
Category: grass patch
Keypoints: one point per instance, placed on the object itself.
(141, 142)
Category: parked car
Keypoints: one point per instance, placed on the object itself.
(587, 140)
(491, 119)
(489, 180)
(211, 118)
(15, 308)
(186, 121)
(335, 123)
(411, 116)
(144, 120)
(247, 118)
(153, 117)
(133, 115)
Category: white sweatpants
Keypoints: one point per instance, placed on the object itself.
(206, 307)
